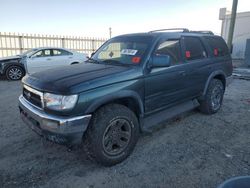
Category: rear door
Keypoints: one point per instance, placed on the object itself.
(198, 65)
(165, 86)
(61, 57)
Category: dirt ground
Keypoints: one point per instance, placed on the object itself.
(194, 150)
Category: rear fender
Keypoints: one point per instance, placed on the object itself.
(212, 76)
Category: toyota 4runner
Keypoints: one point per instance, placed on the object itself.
(130, 84)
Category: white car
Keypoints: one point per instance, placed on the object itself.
(38, 59)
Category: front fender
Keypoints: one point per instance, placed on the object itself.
(7, 65)
(116, 96)
(91, 100)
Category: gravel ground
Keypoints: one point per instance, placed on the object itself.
(193, 150)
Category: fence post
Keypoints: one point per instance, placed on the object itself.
(20, 39)
(110, 32)
(93, 45)
(63, 42)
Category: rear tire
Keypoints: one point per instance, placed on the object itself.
(111, 135)
(213, 98)
(14, 73)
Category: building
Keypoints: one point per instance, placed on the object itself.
(241, 31)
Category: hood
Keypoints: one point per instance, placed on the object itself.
(76, 78)
(10, 58)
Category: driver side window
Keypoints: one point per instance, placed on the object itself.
(171, 48)
(38, 54)
(42, 53)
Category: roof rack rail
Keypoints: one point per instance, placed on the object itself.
(171, 29)
(203, 32)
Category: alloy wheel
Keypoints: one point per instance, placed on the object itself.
(15, 73)
(117, 136)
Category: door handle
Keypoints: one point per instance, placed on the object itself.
(48, 59)
(183, 73)
(70, 57)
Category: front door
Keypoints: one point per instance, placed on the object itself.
(165, 86)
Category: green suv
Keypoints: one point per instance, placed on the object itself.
(129, 85)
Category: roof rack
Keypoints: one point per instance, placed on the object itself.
(171, 29)
(184, 30)
(203, 32)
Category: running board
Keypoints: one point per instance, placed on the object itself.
(149, 122)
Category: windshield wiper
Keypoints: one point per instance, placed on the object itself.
(114, 62)
(93, 60)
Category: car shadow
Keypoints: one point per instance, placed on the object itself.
(3, 78)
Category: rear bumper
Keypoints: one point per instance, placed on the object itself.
(62, 130)
(229, 80)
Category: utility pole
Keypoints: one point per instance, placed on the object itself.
(110, 32)
(232, 23)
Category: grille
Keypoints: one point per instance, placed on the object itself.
(33, 96)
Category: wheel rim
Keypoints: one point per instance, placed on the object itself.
(15, 73)
(216, 97)
(116, 136)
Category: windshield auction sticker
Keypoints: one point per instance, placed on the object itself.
(128, 52)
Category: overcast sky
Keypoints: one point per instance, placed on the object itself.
(92, 18)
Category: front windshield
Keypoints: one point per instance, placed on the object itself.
(123, 50)
(28, 52)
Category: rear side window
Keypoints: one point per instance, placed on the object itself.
(218, 46)
(58, 52)
(171, 48)
(194, 49)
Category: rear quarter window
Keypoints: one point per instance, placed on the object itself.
(218, 46)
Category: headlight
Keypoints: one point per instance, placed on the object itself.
(59, 102)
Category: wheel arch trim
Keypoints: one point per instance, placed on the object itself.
(13, 64)
(212, 76)
(114, 97)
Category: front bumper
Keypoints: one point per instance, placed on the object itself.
(1, 68)
(62, 130)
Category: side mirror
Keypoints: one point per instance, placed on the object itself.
(161, 61)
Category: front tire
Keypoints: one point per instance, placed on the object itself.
(14, 73)
(213, 98)
(112, 134)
